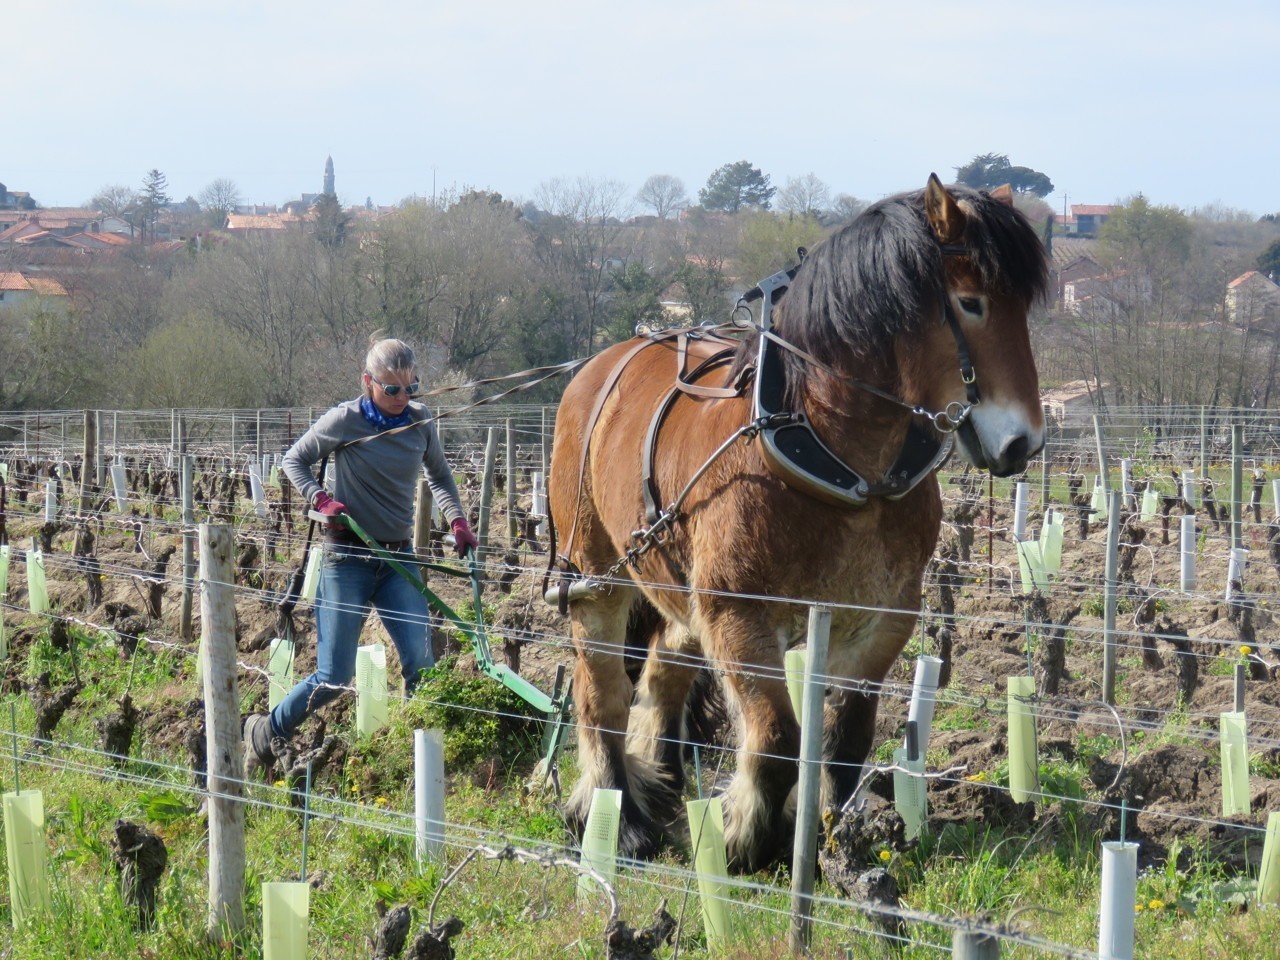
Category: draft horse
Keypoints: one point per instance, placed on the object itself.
(798, 462)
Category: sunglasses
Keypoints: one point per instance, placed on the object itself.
(393, 389)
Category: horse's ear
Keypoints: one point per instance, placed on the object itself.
(945, 216)
(1003, 193)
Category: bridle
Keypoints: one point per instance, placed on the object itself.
(947, 420)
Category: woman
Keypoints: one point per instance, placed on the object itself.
(373, 476)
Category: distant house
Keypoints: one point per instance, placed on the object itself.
(1074, 259)
(264, 223)
(1071, 406)
(17, 287)
(1253, 298)
(58, 222)
(1087, 218)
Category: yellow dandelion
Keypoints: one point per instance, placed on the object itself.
(1245, 651)
(1155, 905)
(979, 777)
(886, 856)
(281, 783)
(381, 801)
(1137, 908)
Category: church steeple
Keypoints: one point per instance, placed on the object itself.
(328, 177)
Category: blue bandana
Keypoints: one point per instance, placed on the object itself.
(380, 420)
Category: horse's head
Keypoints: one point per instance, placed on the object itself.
(993, 269)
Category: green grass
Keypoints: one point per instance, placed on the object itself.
(360, 843)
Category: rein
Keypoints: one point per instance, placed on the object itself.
(791, 448)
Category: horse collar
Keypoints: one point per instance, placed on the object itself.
(796, 454)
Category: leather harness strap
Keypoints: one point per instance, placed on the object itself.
(605, 389)
(683, 384)
(687, 342)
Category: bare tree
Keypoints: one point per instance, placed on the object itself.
(219, 199)
(114, 200)
(575, 247)
(663, 194)
(844, 210)
(804, 196)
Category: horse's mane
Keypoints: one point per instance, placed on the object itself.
(881, 276)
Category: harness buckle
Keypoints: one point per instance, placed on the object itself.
(968, 376)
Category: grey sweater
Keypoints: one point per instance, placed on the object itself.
(377, 479)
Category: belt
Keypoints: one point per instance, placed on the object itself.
(345, 539)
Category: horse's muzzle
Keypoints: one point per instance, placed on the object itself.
(1014, 453)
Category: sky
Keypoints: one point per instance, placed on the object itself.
(1174, 99)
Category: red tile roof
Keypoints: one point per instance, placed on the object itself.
(1092, 209)
(46, 286)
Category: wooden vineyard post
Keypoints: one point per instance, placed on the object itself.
(1204, 445)
(805, 853)
(422, 522)
(1237, 486)
(222, 731)
(486, 488)
(84, 540)
(1109, 600)
(972, 945)
(513, 529)
(1102, 461)
(188, 546)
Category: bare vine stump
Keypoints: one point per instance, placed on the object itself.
(92, 568)
(1166, 510)
(60, 635)
(1188, 671)
(156, 584)
(49, 706)
(197, 744)
(852, 841)
(1084, 510)
(129, 631)
(393, 930)
(141, 858)
(1210, 504)
(433, 944)
(1273, 545)
(1053, 649)
(623, 943)
(247, 560)
(46, 534)
(117, 731)
(323, 752)
(1255, 498)
(508, 571)
(1150, 656)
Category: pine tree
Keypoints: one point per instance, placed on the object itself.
(152, 200)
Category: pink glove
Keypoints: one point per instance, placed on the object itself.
(329, 507)
(463, 538)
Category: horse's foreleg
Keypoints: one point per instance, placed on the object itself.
(657, 731)
(602, 694)
(849, 724)
(849, 720)
(758, 819)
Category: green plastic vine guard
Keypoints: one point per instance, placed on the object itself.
(556, 707)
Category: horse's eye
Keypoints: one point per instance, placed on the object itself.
(971, 306)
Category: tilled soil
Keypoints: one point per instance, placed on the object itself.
(1165, 768)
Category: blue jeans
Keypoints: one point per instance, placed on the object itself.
(351, 582)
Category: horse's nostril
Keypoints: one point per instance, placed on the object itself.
(1017, 450)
